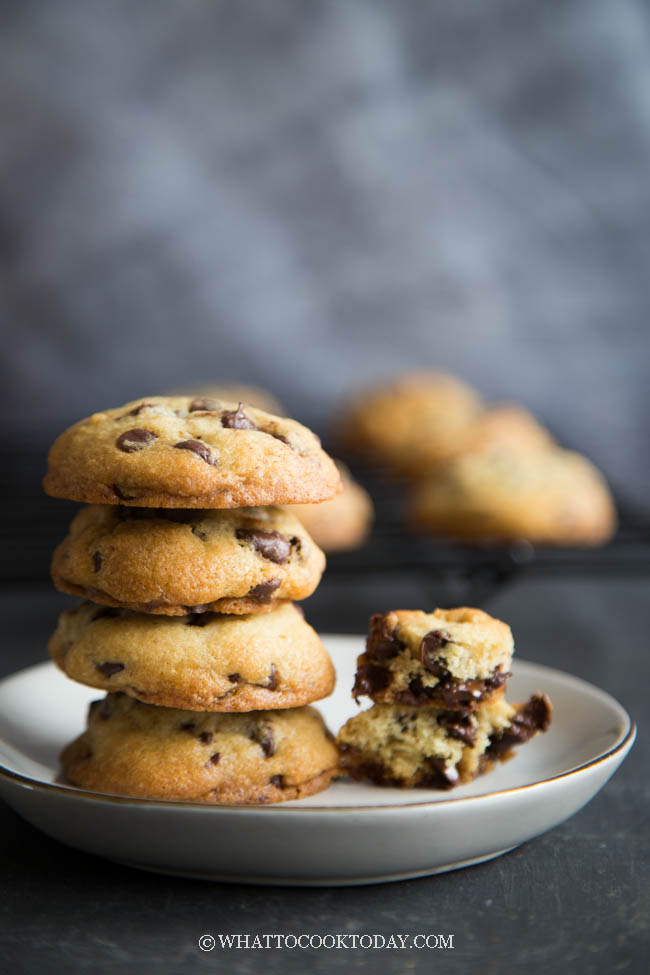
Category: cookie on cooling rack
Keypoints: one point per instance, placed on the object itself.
(408, 423)
(552, 496)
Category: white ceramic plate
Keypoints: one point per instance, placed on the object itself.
(350, 834)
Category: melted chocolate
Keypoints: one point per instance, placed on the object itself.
(370, 679)
(460, 725)
(451, 692)
(382, 644)
(531, 717)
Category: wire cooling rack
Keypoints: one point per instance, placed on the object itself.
(476, 571)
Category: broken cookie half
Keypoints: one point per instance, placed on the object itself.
(453, 658)
(440, 716)
(436, 748)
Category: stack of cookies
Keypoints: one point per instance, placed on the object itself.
(189, 568)
(440, 716)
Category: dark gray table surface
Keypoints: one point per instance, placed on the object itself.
(573, 900)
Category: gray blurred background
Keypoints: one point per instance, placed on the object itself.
(309, 195)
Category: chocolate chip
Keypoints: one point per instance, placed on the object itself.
(97, 561)
(206, 737)
(136, 439)
(496, 679)
(382, 643)
(531, 717)
(200, 449)
(234, 678)
(277, 436)
(432, 644)
(187, 726)
(277, 781)
(105, 612)
(119, 493)
(417, 694)
(264, 591)
(214, 759)
(271, 545)
(138, 409)
(264, 737)
(271, 681)
(200, 609)
(199, 533)
(460, 725)
(204, 404)
(370, 679)
(237, 420)
(108, 668)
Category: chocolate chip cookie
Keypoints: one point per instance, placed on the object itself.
(451, 658)
(201, 662)
(553, 496)
(179, 561)
(184, 452)
(134, 749)
(434, 747)
(342, 523)
(410, 422)
(505, 427)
